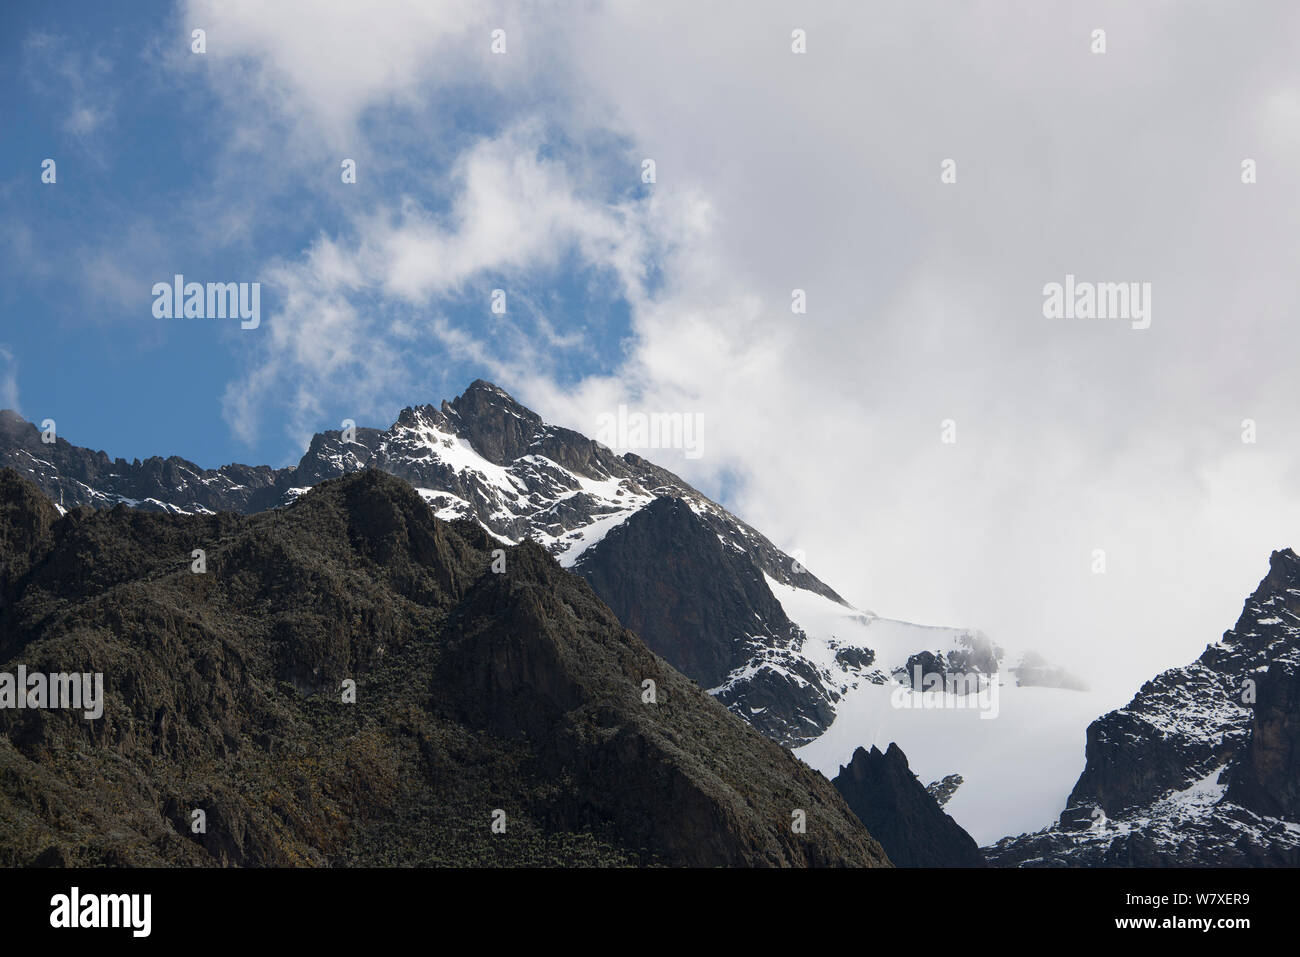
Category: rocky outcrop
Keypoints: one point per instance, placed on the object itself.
(707, 608)
(1200, 767)
(943, 789)
(966, 668)
(907, 820)
(1267, 779)
(702, 606)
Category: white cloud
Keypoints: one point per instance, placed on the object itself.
(327, 63)
(924, 305)
(512, 210)
(350, 307)
(821, 172)
(84, 120)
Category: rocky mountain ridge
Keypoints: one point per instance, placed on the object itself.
(485, 457)
(479, 697)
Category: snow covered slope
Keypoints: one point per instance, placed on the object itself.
(1018, 748)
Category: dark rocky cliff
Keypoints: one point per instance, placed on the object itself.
(907, 820)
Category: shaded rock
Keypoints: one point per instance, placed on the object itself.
(907, 820)
(943, 789)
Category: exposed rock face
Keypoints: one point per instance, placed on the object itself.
(943, 789)
(921, 666)
(698, 590)
(475, 691)
(978, 654)
(1200, 767)
(856, 659)
(965, 669)
(906, 819)
(1268, 777)
(669, 578)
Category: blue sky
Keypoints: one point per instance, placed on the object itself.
(159, 174)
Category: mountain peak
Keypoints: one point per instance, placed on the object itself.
(906, 819)
(498, 427)
(481, 394)
(1285, 561)
(482, 385)
(14, 427)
